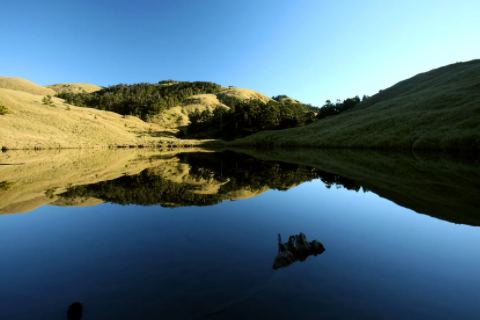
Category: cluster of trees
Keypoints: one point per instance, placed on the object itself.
(144, 100)
(307, 107)
(247, 117)
(331, 109)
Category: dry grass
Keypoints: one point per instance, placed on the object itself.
(291, 100)
(438, 185)
(23, 85)
(73, 87)
(177, 117)
(34, 125)
(228, 94)
(439, 109)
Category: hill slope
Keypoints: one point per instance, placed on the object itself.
(74, 87)
(23, 85)
(439, 109)
(31, 124)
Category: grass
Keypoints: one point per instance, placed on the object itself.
(33, 125)
(73, 87)
(228, 94)
(176, 118)
(23, 85)
(436, 184)
(439, 109)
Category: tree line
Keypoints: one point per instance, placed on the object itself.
(144, 100)
(247, 117)
(332, 109)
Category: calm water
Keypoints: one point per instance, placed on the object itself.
(168, 244)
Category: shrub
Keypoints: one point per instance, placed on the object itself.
(4, 110)
(48, 101)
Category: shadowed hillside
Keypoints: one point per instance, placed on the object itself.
(439, 109)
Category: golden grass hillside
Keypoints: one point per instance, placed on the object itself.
(176, 118)
(288, 99)
(231, 93)
(73, 87)
(439, 109)
(23, 85)
(31, 124)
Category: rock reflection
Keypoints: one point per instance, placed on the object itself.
(75, 311)
(297, 248)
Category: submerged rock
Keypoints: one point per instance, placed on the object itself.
(297, 248)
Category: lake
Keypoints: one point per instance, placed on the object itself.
(194, 234)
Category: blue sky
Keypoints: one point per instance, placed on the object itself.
(311, 50)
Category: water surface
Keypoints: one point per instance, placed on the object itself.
(195, 235)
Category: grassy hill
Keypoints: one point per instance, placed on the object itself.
(439, 109)
(73, 87)
(23, 85)
(176, 118)
(33, 125)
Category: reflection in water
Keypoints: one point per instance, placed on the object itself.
(75, 311)
(297, 248)
(207, 179)
(438, 185)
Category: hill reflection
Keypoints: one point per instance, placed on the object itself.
(203, 179)
(443, 186)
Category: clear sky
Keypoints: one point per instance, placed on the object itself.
(311, 50)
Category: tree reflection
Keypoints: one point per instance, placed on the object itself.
(233, 173)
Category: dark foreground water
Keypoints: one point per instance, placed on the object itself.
(145, 261)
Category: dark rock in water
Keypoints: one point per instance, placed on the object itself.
(296, 249)
(75, 311)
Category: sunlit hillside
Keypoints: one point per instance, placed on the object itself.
(177, 117)
(439, 109)
(73, 87)
(32, 124)
(23, 85)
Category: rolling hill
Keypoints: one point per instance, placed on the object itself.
(439, 109)
(73, 87)
(23, 85)
(34, 125)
